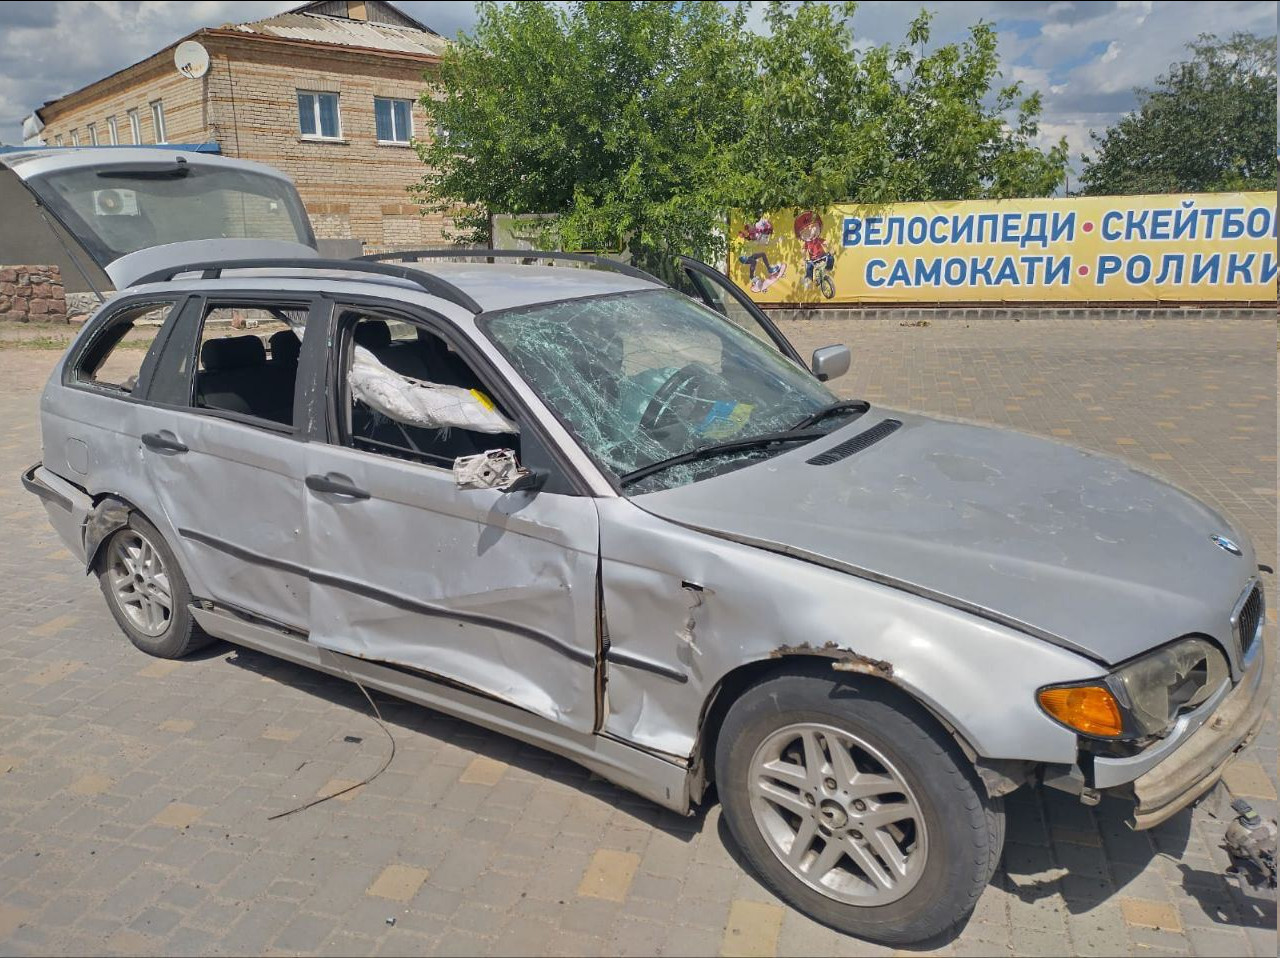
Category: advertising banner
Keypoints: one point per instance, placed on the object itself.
(1198, 247)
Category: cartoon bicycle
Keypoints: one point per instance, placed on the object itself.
(818, 259)
(820, 273)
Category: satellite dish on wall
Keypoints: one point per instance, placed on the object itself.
(191, 59)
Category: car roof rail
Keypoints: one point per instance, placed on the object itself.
(459, 252)
(428, 282)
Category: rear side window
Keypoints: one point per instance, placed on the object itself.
(113, 359)
(247, 361)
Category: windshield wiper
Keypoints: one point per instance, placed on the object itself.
(858, 406)
(718, 449)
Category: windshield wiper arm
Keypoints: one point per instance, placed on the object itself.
(718, 449)
(841, 405)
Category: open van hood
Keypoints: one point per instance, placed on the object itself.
(137, 210)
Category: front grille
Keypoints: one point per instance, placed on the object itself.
(1249, 620)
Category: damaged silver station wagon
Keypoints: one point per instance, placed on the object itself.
(629, 524)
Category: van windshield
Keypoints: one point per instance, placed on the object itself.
(117, 210)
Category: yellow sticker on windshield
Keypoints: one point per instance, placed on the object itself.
(726, 420)
(483, 400)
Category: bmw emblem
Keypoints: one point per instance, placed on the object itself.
(1222, 542)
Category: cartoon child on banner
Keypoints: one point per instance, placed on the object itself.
(759, 235)
(818, 259)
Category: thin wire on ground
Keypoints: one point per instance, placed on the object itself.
(377, 717)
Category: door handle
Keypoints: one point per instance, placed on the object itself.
(163, 442)
(336, 485)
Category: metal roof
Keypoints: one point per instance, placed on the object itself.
(306, 24)
(339, 31)
(493, 286)
(506, 285)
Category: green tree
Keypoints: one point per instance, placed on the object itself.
(652, 120)
(614, 116)
(1208, 125)
(894, 124)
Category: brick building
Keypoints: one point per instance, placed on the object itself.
(326, 92)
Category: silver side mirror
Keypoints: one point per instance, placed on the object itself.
(831, 362)
(496, 469)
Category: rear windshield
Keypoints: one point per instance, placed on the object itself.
(115, 211)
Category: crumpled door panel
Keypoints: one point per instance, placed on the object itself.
(493, 591)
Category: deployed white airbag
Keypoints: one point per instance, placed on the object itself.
(417, 403)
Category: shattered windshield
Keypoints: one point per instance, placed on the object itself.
(114, 210)
(642, 377)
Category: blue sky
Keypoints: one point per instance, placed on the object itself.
(1085, 57)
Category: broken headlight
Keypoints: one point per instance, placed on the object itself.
(1156, 688)
(1143, 699)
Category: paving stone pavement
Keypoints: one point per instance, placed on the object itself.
(135, 793)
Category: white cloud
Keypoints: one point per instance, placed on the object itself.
(76, 43)
(1085, 57)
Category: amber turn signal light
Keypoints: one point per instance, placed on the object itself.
(1090, 709)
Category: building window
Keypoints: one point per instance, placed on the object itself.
(75, 137)
(113, 132)
(393, 119)
(135, 127)
(93, 134)
(57, 140)
(318, 115)
(157, 121)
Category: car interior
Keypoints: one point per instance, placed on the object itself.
(246, 374)
(425, 357)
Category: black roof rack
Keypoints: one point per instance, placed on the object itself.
(427, 281)
(414, 255)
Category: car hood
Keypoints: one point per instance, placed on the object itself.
(1076, 548)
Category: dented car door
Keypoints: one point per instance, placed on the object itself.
(493, 590)
(226, 475)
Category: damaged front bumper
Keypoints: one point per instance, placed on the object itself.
(1188, 765)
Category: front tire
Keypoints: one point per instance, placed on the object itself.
(853, 805)
(147, 593)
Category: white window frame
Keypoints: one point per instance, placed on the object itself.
(315, 114)
(57, 140)
(135, 126)
(393, 100)
(113, 131)
(75, 137)
(157, 121)
(92, 129)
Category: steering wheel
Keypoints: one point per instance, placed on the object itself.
(657, 412)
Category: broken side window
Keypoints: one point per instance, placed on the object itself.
(247, 361)
(406, 393)
(114, 358)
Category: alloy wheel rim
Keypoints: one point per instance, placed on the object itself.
(838, 814)
(140, 583)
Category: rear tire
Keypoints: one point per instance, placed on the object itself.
(147, 592)
(851, 804)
